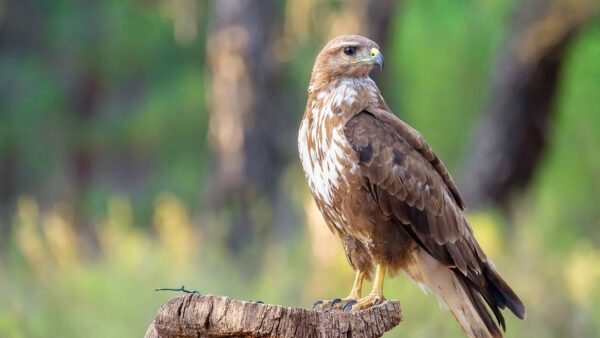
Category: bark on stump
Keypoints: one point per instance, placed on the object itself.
(193, 315)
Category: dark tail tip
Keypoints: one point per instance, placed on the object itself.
(503, 294)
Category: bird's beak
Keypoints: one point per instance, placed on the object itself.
(376, 58)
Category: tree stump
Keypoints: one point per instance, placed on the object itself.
(194, 315)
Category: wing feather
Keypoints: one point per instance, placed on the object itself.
(414, 189)
(415, 185)
(417, 142)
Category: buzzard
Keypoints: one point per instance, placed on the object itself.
(388, 197)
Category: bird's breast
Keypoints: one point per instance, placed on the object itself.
(328, 160)
(325, 161)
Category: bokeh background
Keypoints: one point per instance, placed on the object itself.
(152, 143)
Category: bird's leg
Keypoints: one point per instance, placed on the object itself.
(356, 291)
(355, 294)
(373, 298)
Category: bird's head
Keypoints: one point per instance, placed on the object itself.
(347, 56)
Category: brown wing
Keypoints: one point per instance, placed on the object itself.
(414, 139)
(411, 185)
(413, 188)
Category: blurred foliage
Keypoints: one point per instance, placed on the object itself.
(146, 200)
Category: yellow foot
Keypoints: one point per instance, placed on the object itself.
(371, 300)
(343, 303)
(376, 295)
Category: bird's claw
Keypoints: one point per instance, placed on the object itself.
(348, 305)
(345, 304)
(367, 302)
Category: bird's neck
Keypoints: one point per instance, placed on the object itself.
(320, 82)
(341, 97)
(330, 105)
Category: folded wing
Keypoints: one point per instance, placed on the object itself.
(413, 188)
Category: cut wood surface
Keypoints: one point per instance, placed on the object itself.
(194, 315)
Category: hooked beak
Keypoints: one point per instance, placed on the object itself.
(376, 58)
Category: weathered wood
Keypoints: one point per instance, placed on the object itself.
(193, 315)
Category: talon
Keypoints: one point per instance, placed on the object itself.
(335, 301)
(348, 305)
(375, 301)
(317, 303)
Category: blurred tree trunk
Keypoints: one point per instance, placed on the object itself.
(18, 38)
(379, 17)
(513, 134)
(84, 100)
(8, 173)
(252, 129)
(247, 121)
(370, 18)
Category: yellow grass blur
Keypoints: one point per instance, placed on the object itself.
(60, 287)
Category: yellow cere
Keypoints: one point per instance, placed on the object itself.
(374, 53)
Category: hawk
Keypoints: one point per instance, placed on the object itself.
(388, 197)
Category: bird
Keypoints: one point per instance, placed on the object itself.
(388, 197)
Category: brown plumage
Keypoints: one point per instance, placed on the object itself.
(388, 197)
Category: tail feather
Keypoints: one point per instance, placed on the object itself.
(467, 295)
(479, 305)
(502, 293)
(476, 299)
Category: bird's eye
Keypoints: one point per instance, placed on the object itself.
(349, 50)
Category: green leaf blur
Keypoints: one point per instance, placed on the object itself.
(84, 260)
